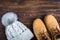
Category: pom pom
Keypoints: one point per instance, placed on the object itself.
(9, 18)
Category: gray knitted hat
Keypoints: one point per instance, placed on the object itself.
(15, 30)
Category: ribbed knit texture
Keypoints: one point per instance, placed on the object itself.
(18, 31)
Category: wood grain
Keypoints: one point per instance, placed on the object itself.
(28, 10)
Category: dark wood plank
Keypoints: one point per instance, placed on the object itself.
(28, 10)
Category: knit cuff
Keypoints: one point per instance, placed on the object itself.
(27, 35)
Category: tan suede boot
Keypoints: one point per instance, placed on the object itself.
(52, 26)
(40, 30)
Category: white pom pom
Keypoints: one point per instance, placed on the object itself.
(9, 18)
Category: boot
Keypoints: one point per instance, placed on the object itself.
(40, 30)
(52, 26)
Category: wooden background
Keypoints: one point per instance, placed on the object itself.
(28, 10)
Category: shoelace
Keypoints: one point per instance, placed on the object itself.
(44, 36)
(54, 32)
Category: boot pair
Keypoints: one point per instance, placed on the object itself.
(47, 30)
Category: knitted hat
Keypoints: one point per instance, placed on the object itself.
(15, 30)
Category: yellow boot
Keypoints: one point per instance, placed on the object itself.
(40, 30)
(52, 26)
